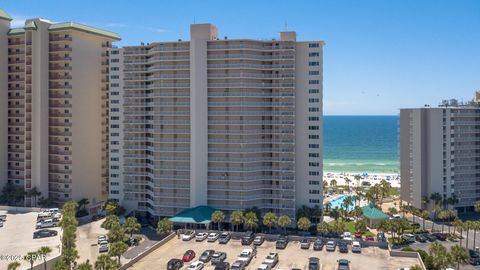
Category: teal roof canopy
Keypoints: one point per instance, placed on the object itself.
(84, 28)
(371, 212)
(199, 214)
(16, 31)
(4, 15)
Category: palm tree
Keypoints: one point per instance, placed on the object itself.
(357, 178)
(284, 221)
(43, 252)
(424, 215)
(218, 217)
(117, 249)
(475, 227)
(104, 262)
(13, 265)
(348, 181)
(459, 255)
(236, 218)
(250, 220)
(164, 226)
(110, 221)
(333, 184)
(436, 209)
(323, 228)
(392, 211)
(325, 185)
(30, 257)
(443, 215)
(441, 258)
(335, 214)
(270, 219)
(304, 224)
(347, 202)
(425, 201)
(328, 206)
(83, 203)
(34, 193)
(477, 206)
(85, 266)
(459, 225)
(360, 226)
(436, 198)
(416, 267)
(131, 226)
(60, 265)
(467, 226)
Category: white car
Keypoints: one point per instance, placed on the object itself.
(212, 237)
(246, 256)
(188, 235)
(330, 246)
(264, 266)
(103, 246)
(47, 223)
(201, 236)
(271, 259)
(101, 238)
(196, 265)
(1, 223)
(356, 247)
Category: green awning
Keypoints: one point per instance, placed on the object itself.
(4, 15)
(84, 28)
(200, 214)
(371, 212)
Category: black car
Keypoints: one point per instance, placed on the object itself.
(318, 244)
(174, 264)
(218, 257)
(247, 239)
(441, 236)
(238, 265)
(381, 237)
(415, 225)
(421, 238)
(224, 238)
(343, 247)
(132, 241)
(44, 233)
(431, 237)
(474, 257)
(282, 242)
(313, 263)
(222, 266)
(343, 264)
(206, 255)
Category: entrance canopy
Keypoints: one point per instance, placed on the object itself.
(197, 215)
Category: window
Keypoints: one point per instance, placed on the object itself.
(313, 173)
(114, 68)
(114, 77)
(314, 191)
(115, 126)
(114, 167)
(115, 60)
(314, 54)
(115, 117)
(114, 175)
(313, 109)
(114, 109)
(115, 134)
(115, 101)
(314, 136)
(314, 183)
(114, 159)
(313, 128)
(313, 146)
(313, 45)
(114, 183)
(313, 155)
(114, 142)
(114, 192)
(313, 91)
(114, 85)
(313, 82)
(314, 164)
(313, 100)
(114, 52)
(313, 118)
(316, 201)
(114, 151)
(314, 63)
(115, 93)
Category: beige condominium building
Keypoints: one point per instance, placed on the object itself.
(54, 109)
(228, 123)
(440, 153)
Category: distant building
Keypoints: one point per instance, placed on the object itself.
(54, 109)
(228, 123)
(440, 153)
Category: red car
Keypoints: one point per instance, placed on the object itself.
(358, 235)
(188, 255)
(370, 238)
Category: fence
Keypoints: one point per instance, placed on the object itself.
(146, 252)
(19, 209)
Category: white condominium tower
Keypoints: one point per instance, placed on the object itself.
(54, 109)
(440, 153)
(228, 123)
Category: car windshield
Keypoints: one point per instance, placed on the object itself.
(341, 262)
(244, 255)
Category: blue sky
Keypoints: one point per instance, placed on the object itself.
(379, 56)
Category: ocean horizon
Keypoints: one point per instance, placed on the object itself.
(366, 143)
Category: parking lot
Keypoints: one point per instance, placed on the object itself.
(291, 257)
(87, 240)
(17, 238)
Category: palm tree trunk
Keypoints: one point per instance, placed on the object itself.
(474, 237)
(461, 237)
(443, 224)
(466, 240)
(432, 226)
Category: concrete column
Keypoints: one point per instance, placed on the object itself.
(4, 27)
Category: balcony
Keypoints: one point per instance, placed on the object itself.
(59, 170)
(56, 58)
(16, 42)
(58, 123)
(59, 67)
(60, 49)
(19, 70)
(60, 86)
(58, 151)
(58, 132)
(56, 76)
(16, 52)
(60, 38)
(59, 114)
(20, 79)
(52, 160)
(57, 104)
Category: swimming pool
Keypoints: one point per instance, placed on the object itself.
(339, 201)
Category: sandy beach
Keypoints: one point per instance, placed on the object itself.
(372, 178)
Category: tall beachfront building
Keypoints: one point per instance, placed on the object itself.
(54, 109)
(440, 153)
(228, 123)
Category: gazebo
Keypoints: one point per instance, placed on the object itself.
(373, 215)
(194, 217)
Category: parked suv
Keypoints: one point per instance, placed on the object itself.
(247, 239)
(282, 242)
(224, 238)
(313, 263)
(174, 264)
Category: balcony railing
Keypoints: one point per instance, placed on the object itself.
(60, 49)
(60, 38)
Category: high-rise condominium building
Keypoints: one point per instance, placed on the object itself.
(54, 109)
(228, 123)
(440, 153)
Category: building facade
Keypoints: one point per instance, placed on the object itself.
(440, 153)
(232, 124)
(54, 94)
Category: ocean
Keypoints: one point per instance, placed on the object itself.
(361, 144)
